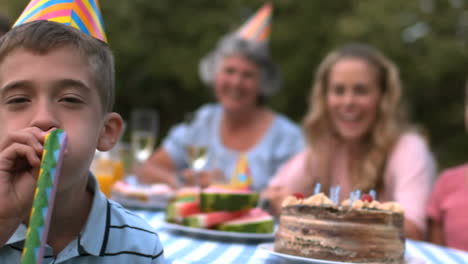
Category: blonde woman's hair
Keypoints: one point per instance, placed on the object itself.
(366, 173)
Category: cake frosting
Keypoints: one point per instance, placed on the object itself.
(362, 231)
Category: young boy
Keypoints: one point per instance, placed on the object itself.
(55, 76)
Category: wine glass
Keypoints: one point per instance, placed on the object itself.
(198, 156)
(144, 125)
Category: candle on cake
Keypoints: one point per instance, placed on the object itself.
(317, 188)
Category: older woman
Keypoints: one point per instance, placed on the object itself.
(239, 125)
(359, 138)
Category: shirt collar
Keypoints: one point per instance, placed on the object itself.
(19, 235)
(93, 236)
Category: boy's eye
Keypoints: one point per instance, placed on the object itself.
(71, 100)
(17, 100)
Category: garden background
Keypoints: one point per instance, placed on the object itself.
(158, 44)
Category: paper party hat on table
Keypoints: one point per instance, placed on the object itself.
(241, 179)
(257, 28)
(84, 15)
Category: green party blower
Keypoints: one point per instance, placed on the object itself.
(41, 212)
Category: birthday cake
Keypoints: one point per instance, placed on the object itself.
(362, 231)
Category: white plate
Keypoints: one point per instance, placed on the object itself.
(130, 193)
(218, 233)
(269, 247)
(155, 202)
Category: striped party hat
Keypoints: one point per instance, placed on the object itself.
(84, 15)
(257, 28)
(242, 178)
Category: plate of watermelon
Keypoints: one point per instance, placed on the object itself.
(218, 233)
(219, 212)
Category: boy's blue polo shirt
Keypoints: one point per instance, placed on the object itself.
(112, 234)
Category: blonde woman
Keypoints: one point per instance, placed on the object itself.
(359, 138)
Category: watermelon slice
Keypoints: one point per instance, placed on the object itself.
(187, 194)
(177, 210)
(255, 221)
(207, 220)
(226, 199)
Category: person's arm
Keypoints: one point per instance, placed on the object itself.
(287, 180)
(434, 211)
(275, 196)
(436, 232)
(159, 168)
(171, 157)
(412, 231)
(19, 167)
(413, 168)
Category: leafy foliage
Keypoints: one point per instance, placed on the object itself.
(158, 45)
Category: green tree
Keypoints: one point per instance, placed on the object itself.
(158, 45)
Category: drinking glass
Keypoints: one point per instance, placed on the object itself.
(104, 170)
(144, 129)
(198, 156)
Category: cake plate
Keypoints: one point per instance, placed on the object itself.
(269, 247)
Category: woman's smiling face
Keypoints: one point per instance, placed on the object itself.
(353, 97)
(236, 83)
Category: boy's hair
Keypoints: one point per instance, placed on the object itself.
(44, 36)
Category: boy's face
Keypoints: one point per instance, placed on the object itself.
(56, 90)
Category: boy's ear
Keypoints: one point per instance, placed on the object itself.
(111, 132)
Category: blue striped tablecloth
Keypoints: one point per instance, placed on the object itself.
(184, 248)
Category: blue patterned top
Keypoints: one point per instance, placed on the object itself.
(282, 140)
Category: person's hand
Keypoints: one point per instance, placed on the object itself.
(20, 160)
(151, 174)
(202, 178)
(159, 168)
(275, 195)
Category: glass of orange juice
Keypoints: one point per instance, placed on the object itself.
(118, 170)
(105, 171)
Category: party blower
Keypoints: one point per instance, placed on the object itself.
(41, 212)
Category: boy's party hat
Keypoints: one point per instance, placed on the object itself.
(241, 179)
(84, 15)
(257, 28)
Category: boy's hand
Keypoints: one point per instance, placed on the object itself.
(20, 159)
